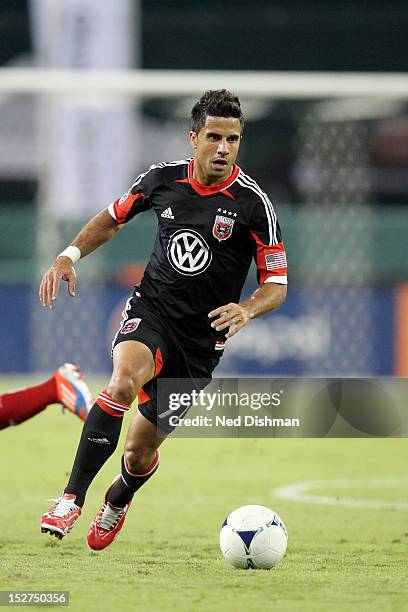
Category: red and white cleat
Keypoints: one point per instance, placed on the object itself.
(73, 392)
(61, 517)
(107, 523)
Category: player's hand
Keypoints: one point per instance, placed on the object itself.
(61, 269)
(231, 315)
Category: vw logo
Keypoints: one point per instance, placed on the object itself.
(188, 252)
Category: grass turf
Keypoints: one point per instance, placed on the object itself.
(167, 555)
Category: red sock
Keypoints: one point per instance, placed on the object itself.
(18, 406)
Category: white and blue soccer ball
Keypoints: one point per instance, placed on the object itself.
(253, 537)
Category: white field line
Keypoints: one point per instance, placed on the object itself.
(301, 492)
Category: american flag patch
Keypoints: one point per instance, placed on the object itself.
(275, 260)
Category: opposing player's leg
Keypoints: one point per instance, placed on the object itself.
(133, 366)
(66, 387)
(139, 462)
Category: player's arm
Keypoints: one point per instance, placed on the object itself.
(99, 230)
(266, 298)
(269, 254)
(96, 232)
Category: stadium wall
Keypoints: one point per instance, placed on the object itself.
(328, 326)
(297, 340)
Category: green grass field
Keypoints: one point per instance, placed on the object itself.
(167, 555)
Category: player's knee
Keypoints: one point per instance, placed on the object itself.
(139, 458)
(124, 387)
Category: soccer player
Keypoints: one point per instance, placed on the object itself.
(67, 387)
(212, 220)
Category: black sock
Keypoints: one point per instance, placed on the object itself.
(99, 440)
(121, 493)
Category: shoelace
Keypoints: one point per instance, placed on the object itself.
(78, 377)
(63, 507)
(110, 516)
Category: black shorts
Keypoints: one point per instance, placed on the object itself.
(179, 369)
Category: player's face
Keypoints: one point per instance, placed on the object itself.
(216, 148)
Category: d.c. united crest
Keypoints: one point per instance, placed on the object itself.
(222, 227)
(130, 326)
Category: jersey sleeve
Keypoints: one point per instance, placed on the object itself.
(134, 201)
(269, 250)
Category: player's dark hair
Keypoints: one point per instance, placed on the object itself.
(215, 103)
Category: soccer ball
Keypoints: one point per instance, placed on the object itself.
(253, 536)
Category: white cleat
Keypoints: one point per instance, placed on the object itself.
(73, 392)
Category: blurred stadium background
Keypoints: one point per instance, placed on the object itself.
(332, 153)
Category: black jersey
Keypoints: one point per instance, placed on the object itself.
(207, 237)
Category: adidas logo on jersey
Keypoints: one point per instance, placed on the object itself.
(167, 214)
